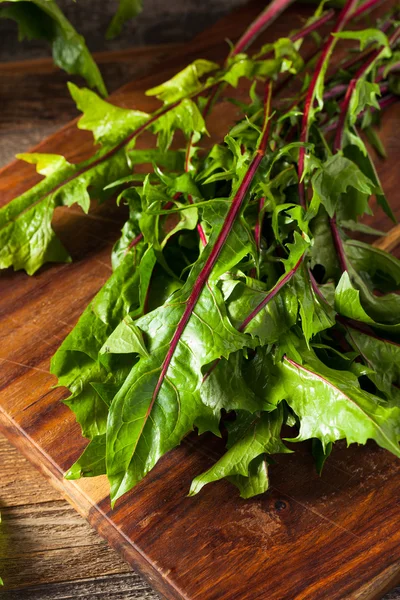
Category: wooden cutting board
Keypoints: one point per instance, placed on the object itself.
(331, 538)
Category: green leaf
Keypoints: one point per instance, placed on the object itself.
(277, 317)
(280, 311)
(184, 83)
(127, 9)
(135, 442)
(92, 462)
(249, 438)
(361, 227)
(76, 362)
(316, 314)
(224, 387)
(109, 124)
(257, 481)
(382, 356)
(320, 454)
(334, 178)
(366, 165)
(365, 37)
(349, 302)
(186, 117)
(44, 20)
(286, 59)
(331, 405)
(27, 240)
(376, 266)
(125, 339)
(323, 251)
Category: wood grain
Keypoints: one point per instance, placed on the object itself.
(127, 586)
(42, 538)
(20, 485)
(333, 537)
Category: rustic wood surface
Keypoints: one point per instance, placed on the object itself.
(335, 537)
(50, 551)
(159, 22)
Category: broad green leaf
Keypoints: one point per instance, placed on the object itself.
(287, 58)
(350, 302)
(376, 266)
(331, 405)
(364, 95)
(44, 20)
(256, 482)
(186, 117)
(76, 362)
(146, 417)
(126, 338)
(135, 442)
(224, 387)
(320, 454)
(361, 227)
(334, 178)
(366, 165)
(316, 314)
(323, 251)
(251, 437)
(382, 356)
(277, 317)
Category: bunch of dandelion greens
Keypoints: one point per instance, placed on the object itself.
(236, 286)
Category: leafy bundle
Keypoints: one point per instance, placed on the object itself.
(236, 287)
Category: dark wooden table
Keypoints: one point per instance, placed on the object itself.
(47, 551)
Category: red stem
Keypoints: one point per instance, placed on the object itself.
(134, 242)
(350, 90)
(271, 294)
(263, 20)
(258, 227)
(313, 26)
(221, 239)
(277, 287)
(315, 287)
(267, 17)
(365, 7)
(308, 29)
(385, 102)
(337, 240)
(343, 114)
(309, 102)
(256, 27)
(257, 230)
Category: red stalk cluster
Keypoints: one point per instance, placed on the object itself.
(266, 18)
(352, 86)
(310, 98)
(219, 243)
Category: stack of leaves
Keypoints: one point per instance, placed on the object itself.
(236, 288)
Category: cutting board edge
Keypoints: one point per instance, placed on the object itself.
(92, 513)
